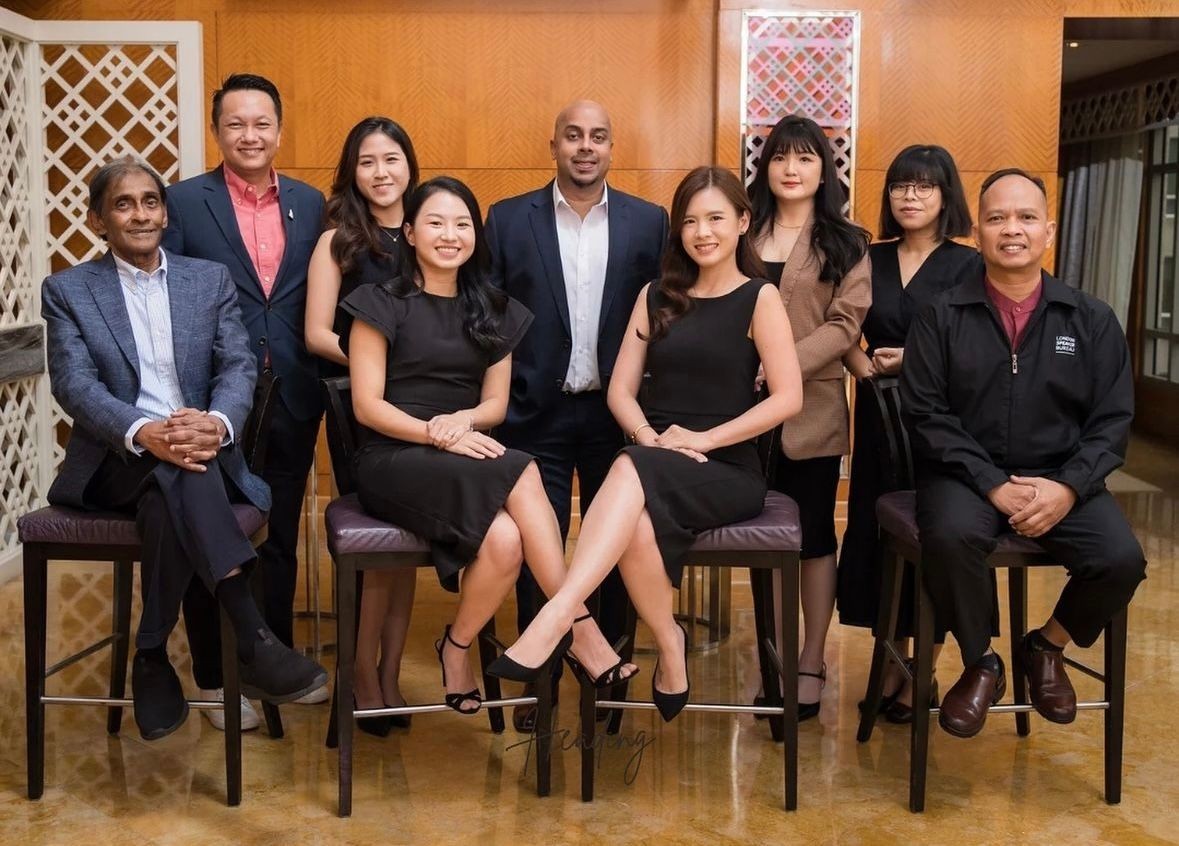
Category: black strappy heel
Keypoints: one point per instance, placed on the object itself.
(608, 677)
(807, 710)
(455, 701)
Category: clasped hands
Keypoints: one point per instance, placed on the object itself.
(692, 444)
(456, 433)
(188, 438)
(1033, 504)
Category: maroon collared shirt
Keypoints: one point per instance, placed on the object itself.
(1014, 315)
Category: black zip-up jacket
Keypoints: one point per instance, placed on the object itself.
(1059, 406)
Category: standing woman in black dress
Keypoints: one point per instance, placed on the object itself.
(820, 260)
(430, 361)
(700, 332)
(922, 207)
(363, 244)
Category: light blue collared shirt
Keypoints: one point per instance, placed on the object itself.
(146, 297)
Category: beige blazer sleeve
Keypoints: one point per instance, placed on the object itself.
(843, 317)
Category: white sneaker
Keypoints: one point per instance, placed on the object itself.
(315, 697)
(250, 719)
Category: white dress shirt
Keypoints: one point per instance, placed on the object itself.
(585, 247)
(146, 297)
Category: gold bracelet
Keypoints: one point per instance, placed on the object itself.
(634, 436)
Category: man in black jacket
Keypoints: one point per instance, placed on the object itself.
(1019, 395)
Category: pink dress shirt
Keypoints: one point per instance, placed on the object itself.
(259, 220)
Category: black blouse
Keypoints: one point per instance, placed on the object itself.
(894, 305)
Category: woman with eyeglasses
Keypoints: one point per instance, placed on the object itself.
(923, 206)
(819, 259)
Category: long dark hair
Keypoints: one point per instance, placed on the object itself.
(837, 241)
(677, 272)
(934, 164)
(483, 304)
(347, 209)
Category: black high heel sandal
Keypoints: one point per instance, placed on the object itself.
(670, 704)
(455, 701)
(608, 677)
(506, 668)
(808, 710)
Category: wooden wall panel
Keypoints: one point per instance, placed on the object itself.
(476, 84)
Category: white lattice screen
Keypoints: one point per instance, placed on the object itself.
(74, 95)
(800, 63)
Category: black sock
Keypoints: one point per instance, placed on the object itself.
(1039, 643)
(990, 662)
(234, 595)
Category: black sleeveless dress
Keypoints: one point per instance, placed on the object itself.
(700, 375)
(433, 368)
(366, 269)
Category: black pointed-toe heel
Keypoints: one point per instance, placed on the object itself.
(670, 704)
(609, 677)
(456, 701)
(506, 668)
(376, 726)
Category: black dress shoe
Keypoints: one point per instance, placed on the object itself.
(376, 726)
(278, 673)
(160, 707)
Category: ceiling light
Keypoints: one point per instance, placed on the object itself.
(1074, 44)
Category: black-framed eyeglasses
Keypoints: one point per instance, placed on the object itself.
(923, 190)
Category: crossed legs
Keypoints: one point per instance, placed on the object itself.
(526, 528)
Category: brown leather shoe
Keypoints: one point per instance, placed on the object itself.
(1051, 691)
(965, 705)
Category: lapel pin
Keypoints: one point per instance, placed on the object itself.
(291, 214)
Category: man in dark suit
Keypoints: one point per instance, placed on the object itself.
(263, 228)
(576, 254)
(147, 353)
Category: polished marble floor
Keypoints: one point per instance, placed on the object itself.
(704, 779)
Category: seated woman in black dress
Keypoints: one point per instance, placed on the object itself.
(923, 206)
(430, 360)
(699, 332)
(377, 170)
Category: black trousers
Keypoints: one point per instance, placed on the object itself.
(959, 529)
(580, 434)
(290, 449)
(187, 527)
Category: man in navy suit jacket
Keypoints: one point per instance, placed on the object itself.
(576, 254)
(147, 353)
(263, 228)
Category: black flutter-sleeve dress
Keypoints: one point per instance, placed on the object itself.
(700, 375)
(433, 368)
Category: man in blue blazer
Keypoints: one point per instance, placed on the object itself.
(576, 253)
(147, 353)
(263, 228)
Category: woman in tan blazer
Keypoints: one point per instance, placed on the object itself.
(821, 261)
